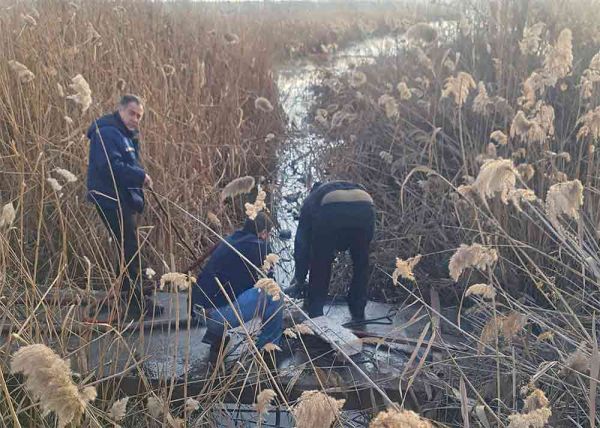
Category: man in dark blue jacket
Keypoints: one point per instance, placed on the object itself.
(115, 181)
(233, 264)
(336, 216)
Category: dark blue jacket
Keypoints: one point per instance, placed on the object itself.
(234, 273)
(308, 212)
(114, 147)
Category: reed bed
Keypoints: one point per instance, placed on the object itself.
(477, 139)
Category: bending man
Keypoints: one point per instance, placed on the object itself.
(336, 216)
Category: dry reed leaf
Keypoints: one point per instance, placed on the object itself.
(270, 261)
(61, 91)
(270, 287)
(458, 87)
(178, 281)
(590, 125)
(564, 199)
(237, 187)
(191, 405)
(213, 219)
(315, 409)
(48, 378)
(264, 400)
(8, 215)
(404, 269)
(66, 174)
(83, 93)
(475, 255)
(68, 121)
(263, 105)
(357, 79)
(118, 410)
(23, 73)
(149, 272)
(484, 290)
(499, 137)
(393, 418)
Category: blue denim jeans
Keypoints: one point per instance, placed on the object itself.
(249, 304)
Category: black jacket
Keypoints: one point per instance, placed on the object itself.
(308, 212)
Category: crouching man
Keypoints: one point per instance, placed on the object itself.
(336, 216)
(225, 287)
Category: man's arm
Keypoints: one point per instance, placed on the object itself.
(108, 153)
(302, 244)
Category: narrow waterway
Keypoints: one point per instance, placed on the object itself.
(299, 156)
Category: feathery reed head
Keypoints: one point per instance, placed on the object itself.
(178, 281)
(263, 105)
(83, 93)
(316, 409)
(468, 256)
(23, 73)
(48, 378)
(264, 400)
(238, 186)
(393, 418)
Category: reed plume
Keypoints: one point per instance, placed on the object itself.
(48, 378)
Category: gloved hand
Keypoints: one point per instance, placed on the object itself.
(297, 289)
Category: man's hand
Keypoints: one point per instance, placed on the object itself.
(148, 181)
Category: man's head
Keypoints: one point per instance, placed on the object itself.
(131, 110)
(261, 226)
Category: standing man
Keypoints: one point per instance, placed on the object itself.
(335, 216)
(115, 181)
(225, 287)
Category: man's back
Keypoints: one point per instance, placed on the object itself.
(233, 272)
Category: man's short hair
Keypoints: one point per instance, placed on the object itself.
(130, 98)
(261, 223)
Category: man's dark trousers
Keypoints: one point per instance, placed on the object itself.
(117, 221)
(338, 227)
